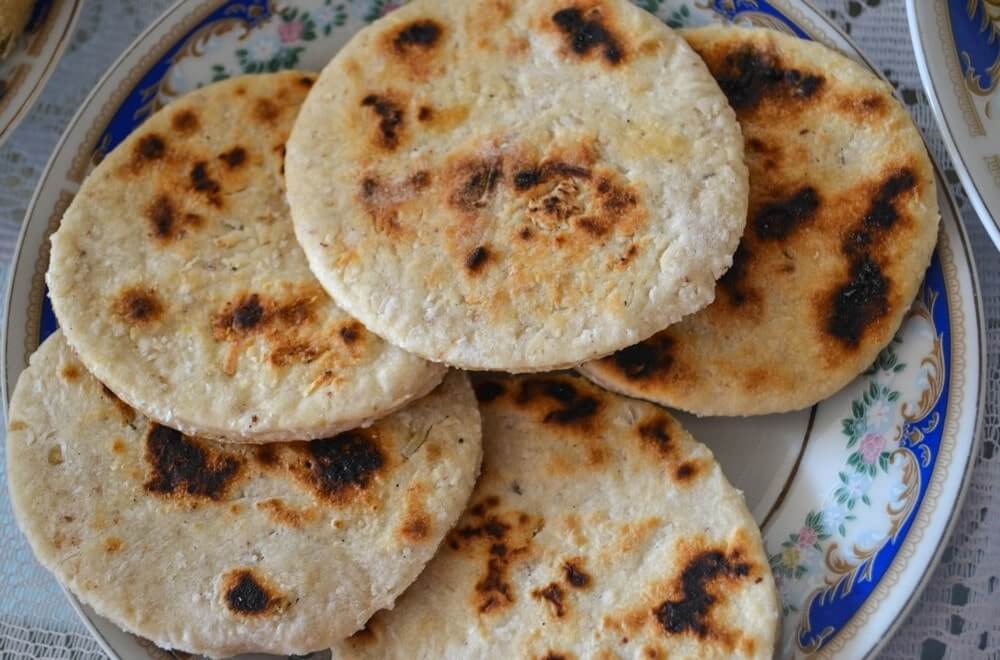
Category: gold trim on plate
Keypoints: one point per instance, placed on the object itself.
(33, 48)
(82, 160)
(13, 84)
(993, 165)
(947, 39)
(949, 437)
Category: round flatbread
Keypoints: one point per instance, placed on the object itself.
(843, 220)
(517, 185)
(219, 548)
(598, 528)
(176, 276)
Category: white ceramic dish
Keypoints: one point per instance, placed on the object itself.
(957, 45)
(856, 497)
(24, 72)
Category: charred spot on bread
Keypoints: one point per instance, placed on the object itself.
(351, 332)
(416, 528)
(203, 183)
(422, 34)
(488, 390)
(247, 314)
(342, 466)
(690, 612)
(656, 432)
(390, 119)
(529, 177)
(246, 593)
(686, 471)
(185, 121)
(749, 75)
(138, 305)
(420, 180)
(476, 181)
(150, 147)
(645, 359)
(552, 594)
(576, 577)
(182, 467)
(266, 110)
(499, 538)
(855, 305)
(265, 455)
(778, 219)
(560, 401)
(166, 222)
(234, 157)
(883, 213)
(161, 216)
(477, 259)
(587, 31)
(734, 281)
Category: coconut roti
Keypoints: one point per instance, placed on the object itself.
(220, 548)
(176, 276)
(517, 185)
(842, 223)
(598, 528)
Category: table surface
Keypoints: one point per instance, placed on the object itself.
(958, 615)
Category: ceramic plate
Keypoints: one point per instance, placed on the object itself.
(957, 43)
(856, 496)
(24, 72)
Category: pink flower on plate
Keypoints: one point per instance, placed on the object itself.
(290, 31)
(807, 536)
(871, 447)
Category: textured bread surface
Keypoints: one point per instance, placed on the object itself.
(598, 529)
(176, 276)
(842, 224)
(222, 548)
(517, 185)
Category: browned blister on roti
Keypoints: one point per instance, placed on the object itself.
(211, 321)
(282, 547)
(500, 185)
(842, 221)
(598, 528)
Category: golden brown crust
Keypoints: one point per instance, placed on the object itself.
(454, 164)
(280, 548)
(841, 224)
(647, 552)
(215, 325)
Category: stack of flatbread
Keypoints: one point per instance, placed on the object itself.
(246, 435)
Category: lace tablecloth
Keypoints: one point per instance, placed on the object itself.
(959, 613)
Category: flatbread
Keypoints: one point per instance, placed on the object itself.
(176, 276)
(517, 185)
(219, 548)
(598, 529)
(14, 15)
(843, 220)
